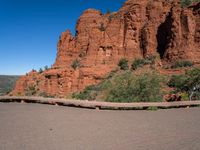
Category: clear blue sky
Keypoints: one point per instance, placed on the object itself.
(29, 30)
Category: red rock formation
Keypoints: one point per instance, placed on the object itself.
(140, 28)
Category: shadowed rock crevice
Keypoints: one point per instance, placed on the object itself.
(164, 35)
(143, 40)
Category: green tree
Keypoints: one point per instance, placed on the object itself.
(46, 67)
(40, 70)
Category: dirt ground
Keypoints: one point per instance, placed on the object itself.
(44, 127)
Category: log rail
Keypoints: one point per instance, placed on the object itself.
(99, 105)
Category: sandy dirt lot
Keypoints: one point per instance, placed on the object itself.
(44, 127)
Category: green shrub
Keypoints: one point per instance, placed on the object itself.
(181, 64)
(86, 94)
(196, 96)
(31, 91)
(178, 81)
(111, 74)
(187, 82)
(137, 63)
(125, 87)
(186, 3)
(152, 108)
(44, 94)
(129, 88)
(150, 59)
(75, 64)
(91, 92)
(123, 64)
(184, 96)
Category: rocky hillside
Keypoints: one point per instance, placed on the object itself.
(138, 30)
(7, 83)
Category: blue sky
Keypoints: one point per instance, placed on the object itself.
(30, 29)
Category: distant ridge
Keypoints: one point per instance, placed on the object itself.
(7, 83)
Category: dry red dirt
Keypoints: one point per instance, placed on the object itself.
(138, 29)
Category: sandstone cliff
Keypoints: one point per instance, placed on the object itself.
(138, 29)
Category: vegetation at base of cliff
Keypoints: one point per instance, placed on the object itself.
(182, 64)
(34, 91)
(186, 3)
(7, 83)
(152, 108)
(125, 87)
(130, 88)
(144, 85)
(138, 63)
(123, 64)
(31, 91)
(44, 94)
(98, 91)
(188, 83)
(89, 93)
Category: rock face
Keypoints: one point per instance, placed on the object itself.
(139, 29)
